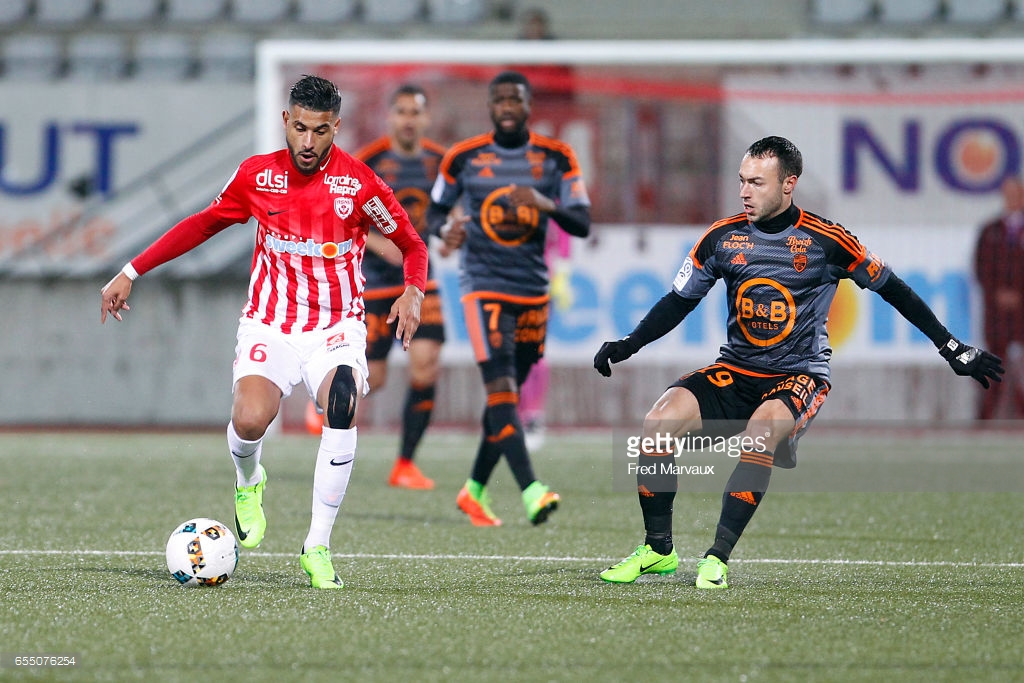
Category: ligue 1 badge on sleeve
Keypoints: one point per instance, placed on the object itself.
(343, 206)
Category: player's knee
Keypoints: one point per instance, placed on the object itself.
(341, 399)
(423, 374)
(251, 422)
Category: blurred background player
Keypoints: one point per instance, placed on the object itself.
(513, 181)
(999, 267)
(535, 24)
(303, 322)
(781, 266)
(407, 161)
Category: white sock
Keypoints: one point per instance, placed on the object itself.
(246, 455)
(330, 481)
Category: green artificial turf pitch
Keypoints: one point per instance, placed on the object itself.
(827, 585)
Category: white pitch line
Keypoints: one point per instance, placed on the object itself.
(543, 558)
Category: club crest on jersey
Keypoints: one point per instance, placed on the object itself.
(343, 206)
(800, 262)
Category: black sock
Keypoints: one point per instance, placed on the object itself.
(419, 405)
(487, 456)
(504, 430)
(657, 491)
(743, 493)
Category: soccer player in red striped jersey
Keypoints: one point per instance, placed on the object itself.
(304, 320)
(781, 266)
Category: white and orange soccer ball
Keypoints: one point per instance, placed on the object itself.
(202, 552)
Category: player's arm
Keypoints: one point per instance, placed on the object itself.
(443, 218)
(186, 235)
(663, 317)
(965, 360)
(383, 247)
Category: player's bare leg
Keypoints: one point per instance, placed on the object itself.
(255, 405)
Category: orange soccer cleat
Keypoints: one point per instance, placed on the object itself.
(405, 475)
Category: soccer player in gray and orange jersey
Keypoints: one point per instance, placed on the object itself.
(407, 161)
(513, 180)
(781, 266)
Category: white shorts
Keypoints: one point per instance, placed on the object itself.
(308, 357)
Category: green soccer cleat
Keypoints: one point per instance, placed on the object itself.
(540, 501)
(642, 561)
(250, 522)
(711, 573)
(317, 564)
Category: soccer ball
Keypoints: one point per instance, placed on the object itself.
(202, 552)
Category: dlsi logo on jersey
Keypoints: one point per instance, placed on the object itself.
(268, 181)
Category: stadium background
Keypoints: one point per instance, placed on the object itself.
(113, 126)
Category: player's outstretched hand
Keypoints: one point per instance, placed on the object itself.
(613, 352)
(114, 297)
(970, 361)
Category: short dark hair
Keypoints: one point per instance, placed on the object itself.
(791, 162)
(511, 77)
(315, 94)
(408, 89)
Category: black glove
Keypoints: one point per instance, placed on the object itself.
(614, 352)
(967, 360)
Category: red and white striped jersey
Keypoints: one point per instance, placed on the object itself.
(307, 265)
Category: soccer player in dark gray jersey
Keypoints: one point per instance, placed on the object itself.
(407, 161)
(512, 181)
(505, 234)
(780, 282)
(781, 266)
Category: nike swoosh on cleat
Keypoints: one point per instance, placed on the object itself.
(643, 568)
(238, 527)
